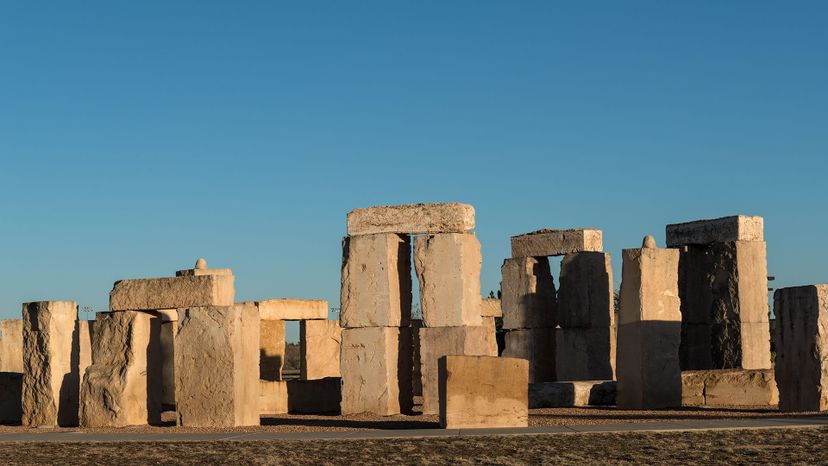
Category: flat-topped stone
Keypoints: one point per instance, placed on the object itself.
(149, 294)
(549, 242)
(199, 272)
(292, 309)
(445, 217)
(719, 230)
(490, 307)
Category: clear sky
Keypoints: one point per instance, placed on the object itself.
(137, 136)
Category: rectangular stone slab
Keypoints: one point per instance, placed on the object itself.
(11, 345)
(647, 366)
(585, 353)
(149, 294)
(483, 392)
(536, 345)
(273, 397)
(585, 295)
(292, 309)
(649, 286)
(195, 272)
(572, 394)
(490, 307)
(548, 242)
(725, 229)
(729, 387)
(528, 298)
(319, 343)
(412, 219)
(271, 349)
(314, 396)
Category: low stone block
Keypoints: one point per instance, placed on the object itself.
(572, 394)
(217, 366)
(448, 269)
(648, 370)
(490, 307)
(292, 309)
(271, 349)
(585, 353)
(149, 294)
(314, 396)
(319, 343)
(734, 228)
(11, 345)
(528, 296)
(692, 387)
(549, 242)
(536, 346)
(273, 397)
(412, 219)
(585, 295)
(729, 387)
(483, 392)
(11, 388)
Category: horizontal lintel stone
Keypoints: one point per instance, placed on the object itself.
(293, 309)
(549, 242)
(445, 217)
(719, 230)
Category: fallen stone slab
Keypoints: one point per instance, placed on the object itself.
(413, 219)
(319, 345)
(149, 294)
(292, 309)
(314, 396)
(733, 228)
(572, 394)
(11, 345)
(549, 242)
(729, 387)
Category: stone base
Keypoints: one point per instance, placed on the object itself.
(537, 346)
(729, 387)
(572, 394)
(649, 376)
(314, 396)
(273, 397)
(319, 343)
(11, 388)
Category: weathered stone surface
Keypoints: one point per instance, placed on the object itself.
(319, 343)
(376, 281)
(549, 242)
(491, 327)
(483, 391)
(585, 295)
(376, 370)
(490, 307)
(417, 376)
(436, 342)
(11, 388)
(149, 294)
(314, 396)
(271, 349)
(11, 346)
(85, 330)
(273, 397)
(720, 230)
(50, 376)
(649, 286)
(412, 219)
(692, 388)
(123, 386)
(292, 309)
(536, 346)
(572, 394)
(198, 272)
(729, 387)
(802, 347)
(448, 269)
(585, 353)
(528, 296)
(166, 343)
(217, 366)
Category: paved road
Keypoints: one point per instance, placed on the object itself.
(689, 425)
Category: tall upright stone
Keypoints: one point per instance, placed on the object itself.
(536, 345)
(11, 345)
(271, 349)
(319, 347)
(528, 293)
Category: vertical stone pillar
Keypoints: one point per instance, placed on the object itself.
(528, 293)
(649, 330)
(802, 347)
(319, 345)
(11, 345)
(50, 379)
(169, 326)
(271, 349)
(536, 345)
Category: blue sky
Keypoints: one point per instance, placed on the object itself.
(138, 136)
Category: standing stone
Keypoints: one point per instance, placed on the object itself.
(436, 342)
(150, 294)
(319, 343)
(166, 343)
(11, 345)
(273, 397)
(271, 349)
(584, 353)
(376, 370)
(314, 396)
(417, 375)
(85, 337)
(123, 385)
(376, 281)
(414, 219)
(50, 379)
(548, 242)
(528, 297)
(537, 345)
(802, 347)
(585, 297)
(217, 366)
(448, 269)
(649, 331)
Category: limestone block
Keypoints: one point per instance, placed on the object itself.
(123, 385)
(491, 327)
(198, 272)
(11, 388)
(585, 295)
(490, 307)
(376, 370)
(649, 286)
(271, 349)
(417, 376)
(729, 387)
(217, 366)
(11, 345)
(483, 391)
(376, 281)
(412, 219)
(648, 370)
(314, 396)
(536, 346)
(585, 353)
(50, 376)
(448, 269)
(292, 309)
(549, 242)
(692, 388)
(725, 229)
(528, 296)
(149, 294)
(319, 343)
(436, 342)
(802, 347)
(572, 394)
(755, 344)
(85, 331)
(273, 397)
(166, 343)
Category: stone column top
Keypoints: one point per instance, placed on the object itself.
(719, 230)
(412, 219)
(551, 242)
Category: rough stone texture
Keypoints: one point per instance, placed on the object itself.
(436, 342)
(649, 286)
(483, 391)
(417, 376)
(11, 388)
(11, 345)
(50, 364)
(319, 343)
(166, 343)
(720, 230)
(271, 349)
(572, 394)
(412, 219)
(729, 387)
(198, 272)
(448, 269)
(548, 242)
(536, 346)
(376, 370)
(217, 366)
(149, 294)
(490, 307)
(123, 385)
(585, 353)
(292, 309)
(802, 347)
(585, 295)
(273, 397)
(491, 328)
(376, 281)
(528, 296)
(314, 396)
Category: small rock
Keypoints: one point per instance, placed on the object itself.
(201, 264)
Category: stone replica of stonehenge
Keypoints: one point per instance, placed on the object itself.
(692, 328)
